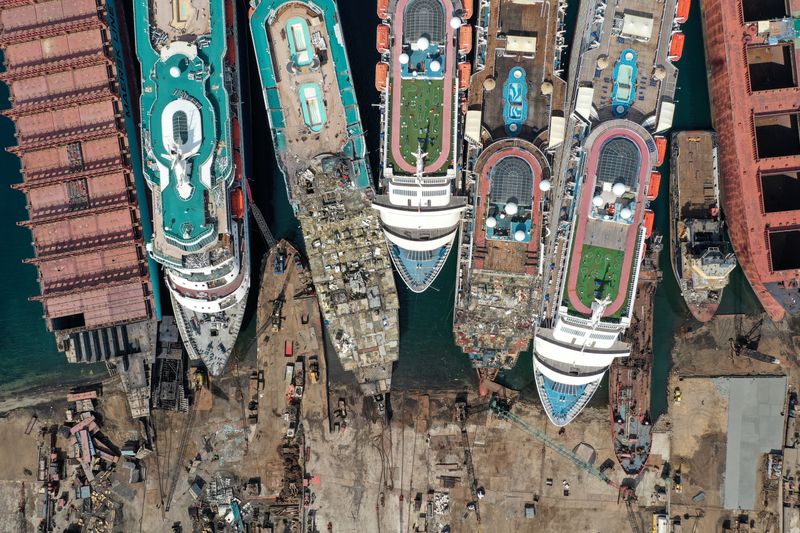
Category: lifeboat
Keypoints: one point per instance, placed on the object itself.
(381, 75)
(467, 8)
(237, 204)
(649, 220)
(465, 39)
(676, 46)
(464, 72)
(661, 146)
(682, 11)
(383, 9)
(653, 186)
(382, 39)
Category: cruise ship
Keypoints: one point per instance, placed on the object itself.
(514, 121)
(624, 87)
(423, 68)
(190, 150)
(319, 143)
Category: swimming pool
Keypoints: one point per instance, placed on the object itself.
(624, 91)
(515, 96)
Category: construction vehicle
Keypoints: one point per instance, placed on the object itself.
(745, 345)
(503, 412)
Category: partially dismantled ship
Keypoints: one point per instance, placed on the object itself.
(69, 92)
(753, 83)
(319, 142)
(191, 138)
(515, 116)
(423, 46)
(701, 257)
(624, 95)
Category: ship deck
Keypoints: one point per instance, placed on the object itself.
(66, 104)
(181, 81)
(606, 247)
(648, 31)
(695, 173)
(422, 96)
(506, 19)
(339, 128)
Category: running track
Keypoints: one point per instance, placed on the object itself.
(449, 69)
(633, 229)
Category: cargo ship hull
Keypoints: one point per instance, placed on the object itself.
(320, 147)
(754, 111)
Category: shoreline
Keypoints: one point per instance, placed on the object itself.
(48, 393)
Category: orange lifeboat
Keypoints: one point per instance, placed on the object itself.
(465, 39)
(383, 9)
(661, 146)
(682, 11)
(649, 220)
(381, 75)
(237, 204)
(653, 186)
(382, 39)
(676, 46)
(467, 8)
(464, 72)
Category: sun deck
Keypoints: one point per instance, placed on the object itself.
(185, 124)
(307, 84)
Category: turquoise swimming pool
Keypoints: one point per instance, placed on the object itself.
(624, 92)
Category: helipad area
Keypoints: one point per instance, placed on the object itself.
(608, 236)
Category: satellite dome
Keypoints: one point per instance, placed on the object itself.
(423, 43)
(602, 62)
(403, 59)
(175, 71)
(519, 235)
(626, 213)
(618, 189)
(491, 222)
(455, 23)
(544, 185)
(511, 208)
(546, 88)
(660, 73)
(597, 201)
(489, 84)
(435, 66)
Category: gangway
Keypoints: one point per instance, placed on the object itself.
(260, 220)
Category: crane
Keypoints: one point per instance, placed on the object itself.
(744, 345)
(504, 413)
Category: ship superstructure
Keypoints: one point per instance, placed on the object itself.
(701, 257)
(188, 53)
(515, 117)
(624, 87)
(319, 142)
(421, 71)
(69, 101)
(754, 92)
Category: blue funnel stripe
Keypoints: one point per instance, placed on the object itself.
(419, 268)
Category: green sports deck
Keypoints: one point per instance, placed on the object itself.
(185, 126)
(421, 120)
(599, 275)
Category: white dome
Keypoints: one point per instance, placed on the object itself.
(436, 66)
(511, 208)
(403, 59)
(626, 213)
(519, 235)
(544, 185)
(455, 23)
(618, 189)
(174, 71)
(597, 201)
(423, 43)
(491, 222)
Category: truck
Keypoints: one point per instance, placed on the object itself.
(288, 349)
